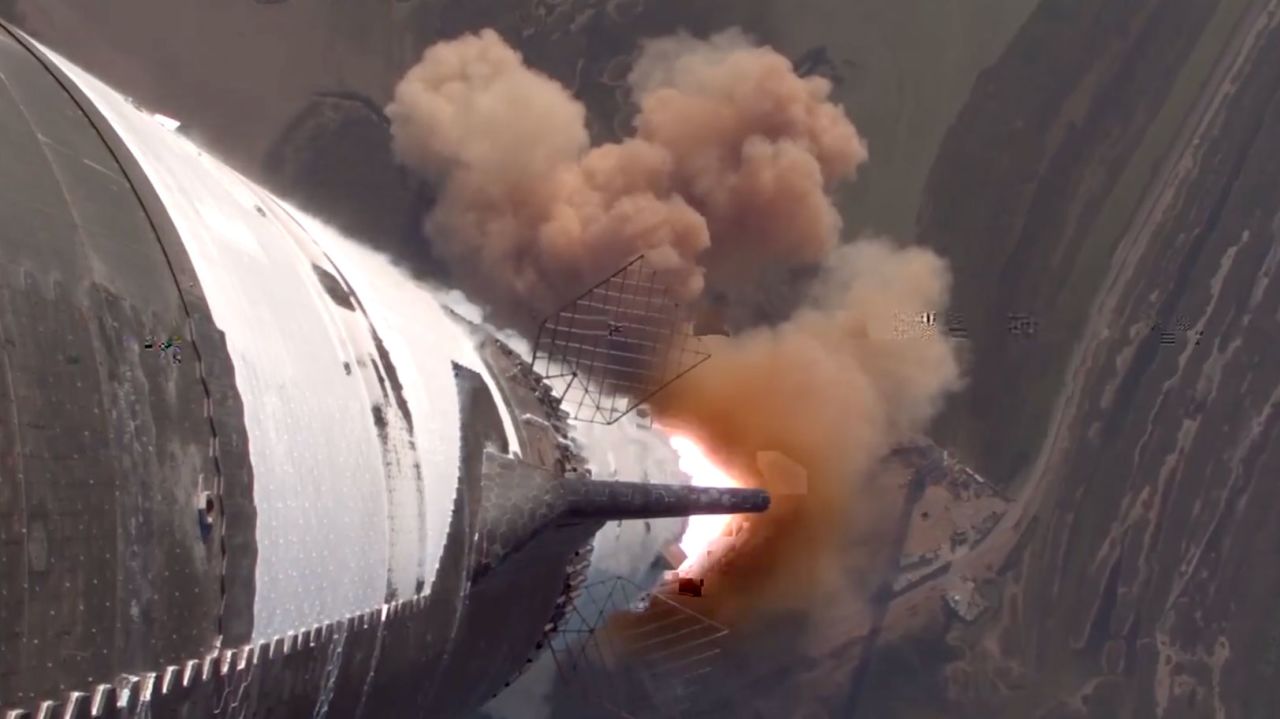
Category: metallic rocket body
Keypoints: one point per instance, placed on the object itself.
(246, 466)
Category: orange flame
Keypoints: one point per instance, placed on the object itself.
(702, 530)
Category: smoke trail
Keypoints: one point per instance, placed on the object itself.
(732, 158)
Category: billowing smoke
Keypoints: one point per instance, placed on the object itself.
(726, 176)
(725, 183)
(754, 146)
(833, 389)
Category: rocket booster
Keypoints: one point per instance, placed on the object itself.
(247, 466)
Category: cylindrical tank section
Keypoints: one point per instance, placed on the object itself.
(344, 367)
(241, 455)
(110, 441)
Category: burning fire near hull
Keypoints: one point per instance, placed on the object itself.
(955, 510)
(668, 651)
(710, 544)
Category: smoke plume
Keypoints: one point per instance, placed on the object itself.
(727, 173)
(725, 184)
(833, 389)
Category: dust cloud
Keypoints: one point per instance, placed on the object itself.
(833, 388)
(726, 182)
(727, 173)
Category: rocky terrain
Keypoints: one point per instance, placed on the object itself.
(1144, 582)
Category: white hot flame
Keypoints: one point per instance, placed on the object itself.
(702, 529)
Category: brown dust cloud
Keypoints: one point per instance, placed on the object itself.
(726, 181)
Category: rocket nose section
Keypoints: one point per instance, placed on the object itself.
(608, 501)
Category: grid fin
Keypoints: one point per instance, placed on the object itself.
(616, 345)
(651, 662)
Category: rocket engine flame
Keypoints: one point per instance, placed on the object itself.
(703, 529)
